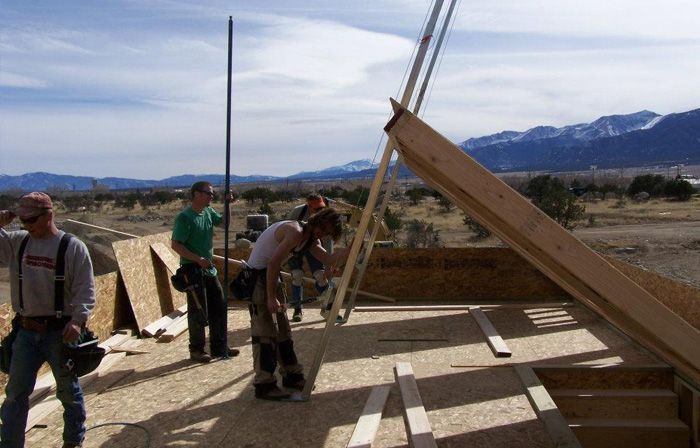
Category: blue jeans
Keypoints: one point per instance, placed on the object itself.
(216, 312)
(29, 352)
(296, 262)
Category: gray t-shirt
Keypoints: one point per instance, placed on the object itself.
(38, 268)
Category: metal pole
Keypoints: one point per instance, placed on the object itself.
(227, 188)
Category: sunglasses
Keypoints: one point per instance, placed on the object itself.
(208, 193)
(31, 220)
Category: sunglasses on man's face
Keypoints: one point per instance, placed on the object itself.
(31, 220)
(208, 193)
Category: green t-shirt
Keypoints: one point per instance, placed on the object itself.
(196, 232)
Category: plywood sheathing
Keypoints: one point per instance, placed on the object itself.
(545, 244)
(684, 300)
(145, 277)
(480, 405)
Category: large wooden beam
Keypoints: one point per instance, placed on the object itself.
(544, 243)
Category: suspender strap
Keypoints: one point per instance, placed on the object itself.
(20, 254)
(60, 275)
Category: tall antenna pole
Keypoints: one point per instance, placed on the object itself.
(227, 188)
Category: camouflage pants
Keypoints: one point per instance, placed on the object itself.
(271, 344)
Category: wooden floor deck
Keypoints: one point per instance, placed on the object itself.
(471, 397)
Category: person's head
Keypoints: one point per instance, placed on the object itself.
(326, 222)
(35, 211)
(315, 202)
(202, 193)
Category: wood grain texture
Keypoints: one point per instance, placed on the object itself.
(554, 251)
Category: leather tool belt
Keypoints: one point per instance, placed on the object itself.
(42, 324)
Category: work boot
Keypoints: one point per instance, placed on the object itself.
(72, 445)
(200, 356)
(270, 391)
(230, 352)
(298, 315)
(294, 381)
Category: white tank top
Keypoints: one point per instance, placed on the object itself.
(265, 247)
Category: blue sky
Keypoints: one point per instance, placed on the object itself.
(137, 88)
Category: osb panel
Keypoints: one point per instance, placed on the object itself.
(169, 262)
(456, 273)
(136, 264)
(681, 299)
(102, 319)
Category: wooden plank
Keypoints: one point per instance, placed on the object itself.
(543, 405)
(537, 238)
(495, 341)
(547, 305)
(368, 423)
(174, 330)
(420, 433)
(155, 329)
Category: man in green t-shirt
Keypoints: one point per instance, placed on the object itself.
(193, 240)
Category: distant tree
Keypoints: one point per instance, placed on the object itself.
(653, 184)
(258, 194)
(549, 195)
(678, 189)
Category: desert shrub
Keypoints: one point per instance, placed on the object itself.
(419, 233)
(650, 183)
(620, 203)
(416, 194)
(266, 209)
(127, 201)
(336, 191)
(357, 197)
(480, 232)
(678, 189)
(445, 204)
(549, 195)
(392, 220)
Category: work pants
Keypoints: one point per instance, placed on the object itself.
(272, 345)
(215, 308)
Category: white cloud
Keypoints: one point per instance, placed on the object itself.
(8, 79)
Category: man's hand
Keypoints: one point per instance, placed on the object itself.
(274, 306)
(71, 332)
(6, 217)
(204, 263)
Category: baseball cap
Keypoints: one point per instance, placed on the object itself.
(33, 204)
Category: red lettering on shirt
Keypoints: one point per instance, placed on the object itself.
(39, 262)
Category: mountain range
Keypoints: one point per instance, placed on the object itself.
(616, 141)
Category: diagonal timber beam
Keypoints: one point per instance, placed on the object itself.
(544, 243)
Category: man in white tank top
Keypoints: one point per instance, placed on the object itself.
(274, 342)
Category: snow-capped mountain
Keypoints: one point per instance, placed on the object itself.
(335, 171)
(608, 126)
(612, 141)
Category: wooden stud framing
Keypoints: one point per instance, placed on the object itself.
(419, 431)
(390, 309)
(495, 341)
(537, 238)
(557, 427)
(368, 423)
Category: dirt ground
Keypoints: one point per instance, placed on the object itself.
(658, 235)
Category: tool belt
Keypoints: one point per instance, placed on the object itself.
(42, 324)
